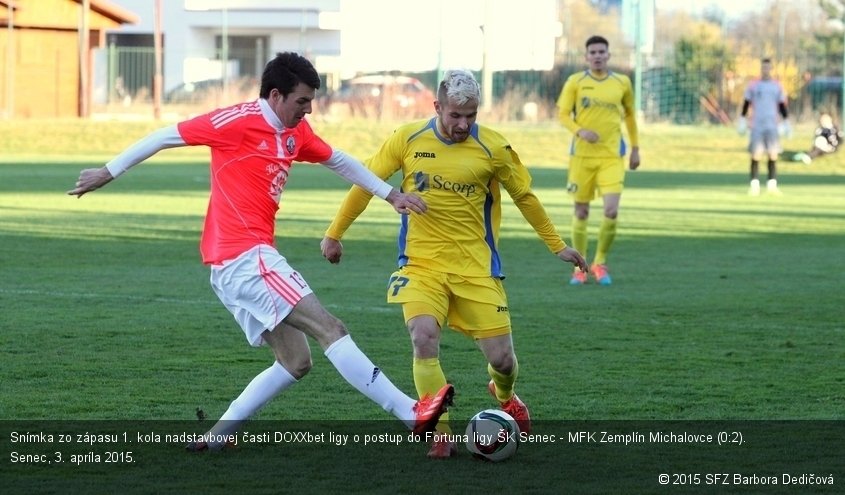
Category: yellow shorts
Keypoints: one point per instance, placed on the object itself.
(474, 306)
(591, 177)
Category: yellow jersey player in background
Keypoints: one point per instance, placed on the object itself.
(592, 106)
(449, 271)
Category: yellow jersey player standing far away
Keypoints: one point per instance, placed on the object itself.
(450, 272)
(592, 106)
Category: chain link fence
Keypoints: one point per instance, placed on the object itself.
(681, 88)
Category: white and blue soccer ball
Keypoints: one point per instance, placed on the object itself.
(492, 435)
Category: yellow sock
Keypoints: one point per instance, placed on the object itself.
(579, 235)
(504, 383)
(607, 232)
(429, 379)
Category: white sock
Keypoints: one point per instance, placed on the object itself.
(266, 385)
(368, 379)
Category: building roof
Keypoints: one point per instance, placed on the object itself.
(114, 13)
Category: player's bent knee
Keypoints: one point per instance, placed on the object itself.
(582, 212)
(425, 338)
(504, 363)
(425, 343)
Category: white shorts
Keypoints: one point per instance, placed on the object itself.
(259, 288)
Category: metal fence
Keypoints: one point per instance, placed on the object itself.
(673, 89)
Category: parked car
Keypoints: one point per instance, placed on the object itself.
(382, 96)
(193, 92)
(210, 91)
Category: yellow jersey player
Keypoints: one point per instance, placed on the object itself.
(450, 272)
(592, 105)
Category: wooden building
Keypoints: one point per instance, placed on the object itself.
(45, 54)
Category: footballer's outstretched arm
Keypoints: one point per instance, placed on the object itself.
(366, 183)
(534, 212)
(91, 179)
(355, 172)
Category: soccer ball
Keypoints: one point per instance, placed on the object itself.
(492, 435)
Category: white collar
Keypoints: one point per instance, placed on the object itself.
(269, 115)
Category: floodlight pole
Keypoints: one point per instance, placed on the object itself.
(157, 44)
(486, 69)
(638, 60)
(84, 59)
(10, 65)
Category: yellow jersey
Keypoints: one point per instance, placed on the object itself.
(460, 184)
(598, 105)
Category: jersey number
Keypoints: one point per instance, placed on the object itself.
(397, 283)
(298, 280)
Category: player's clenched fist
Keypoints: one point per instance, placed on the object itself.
(332, 249)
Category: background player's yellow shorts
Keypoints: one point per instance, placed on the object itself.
(589, 177)
(475, 306)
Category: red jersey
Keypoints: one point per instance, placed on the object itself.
(251, 154)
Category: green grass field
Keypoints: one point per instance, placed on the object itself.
(724, 307)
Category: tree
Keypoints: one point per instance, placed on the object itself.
(700, 61)
(835, 11)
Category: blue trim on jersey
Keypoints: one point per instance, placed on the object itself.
(432, 124)
(495, 261)
(402, 240)
(473, 132)
(623, 148)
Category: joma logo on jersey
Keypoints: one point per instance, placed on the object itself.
(424, 154)
(501, 309)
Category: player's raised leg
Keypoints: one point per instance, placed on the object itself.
(503, 369)
(293, 361)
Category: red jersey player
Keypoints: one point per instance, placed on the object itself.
(253, 146)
